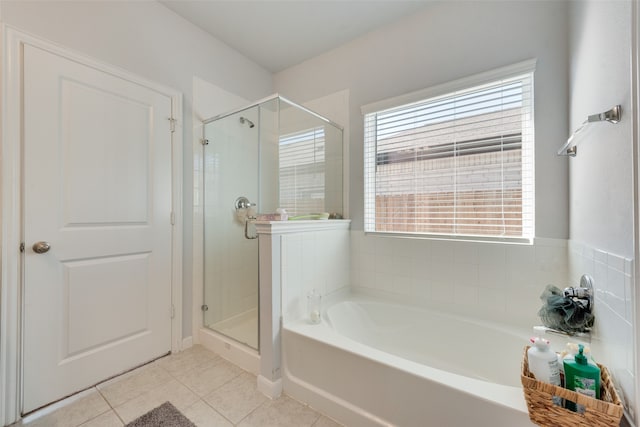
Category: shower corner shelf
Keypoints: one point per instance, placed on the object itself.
(613, 116)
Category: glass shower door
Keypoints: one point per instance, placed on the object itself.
(231, 193)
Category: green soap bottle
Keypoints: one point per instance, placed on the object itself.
(581, 377)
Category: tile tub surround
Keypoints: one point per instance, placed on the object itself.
(312, 260)
(208, 390)
(613, 307)
(494, 280)
(501, 281)
(295, 256)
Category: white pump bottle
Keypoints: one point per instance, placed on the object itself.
(543, 363)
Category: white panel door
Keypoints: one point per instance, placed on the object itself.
(97, 189)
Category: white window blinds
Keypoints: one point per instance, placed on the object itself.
(459, 164)
(302, 164)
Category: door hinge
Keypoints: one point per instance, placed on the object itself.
(172, 124)
(204, 141)
(21, 246)
(172, 218)
(173, 311)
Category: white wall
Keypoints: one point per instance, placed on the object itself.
(149, 40)
(601, 179)
(601, 175)
(447, 41)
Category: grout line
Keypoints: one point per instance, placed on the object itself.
(216, 411)
(113, 409)
(253, 410)
(196, 393)
(201, 398)
(171, 377)
(306, 405)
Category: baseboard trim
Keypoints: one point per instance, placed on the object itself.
(187, 343)
(271, 389)
(238, 354)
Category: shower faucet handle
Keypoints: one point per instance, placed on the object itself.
(582, 293)
(243, 203)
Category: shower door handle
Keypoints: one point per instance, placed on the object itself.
(246, 228)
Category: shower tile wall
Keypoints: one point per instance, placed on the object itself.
(613, 277)
(487, 279)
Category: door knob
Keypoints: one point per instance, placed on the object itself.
(41, 247)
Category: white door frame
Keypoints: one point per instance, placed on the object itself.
(11, 234)
(635, 123)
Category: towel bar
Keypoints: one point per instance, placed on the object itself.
(612, 116)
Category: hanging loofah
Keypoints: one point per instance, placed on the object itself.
(563, 313)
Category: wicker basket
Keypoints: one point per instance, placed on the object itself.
(605, 411)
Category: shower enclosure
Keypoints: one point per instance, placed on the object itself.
(273, 154)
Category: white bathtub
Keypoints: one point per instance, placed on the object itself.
(373, 363)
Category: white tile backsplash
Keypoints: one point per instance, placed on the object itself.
(493, 299)
(628, 292)
(466, 295)
(492, 255)
(463, 274)
(441, 271)
(442, 293)
(599, 256)
(520, 256)
(613, 330)
(615, 294)
(440, 250)
(520, 275)
(404, 265)
(317, 260)
(384, 263)
(466, 254)
(495, 276)
(616, 262)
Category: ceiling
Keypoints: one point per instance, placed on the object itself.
(278, 34)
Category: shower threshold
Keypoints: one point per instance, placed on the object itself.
(242, 327)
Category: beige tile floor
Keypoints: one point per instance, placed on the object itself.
(207, 389)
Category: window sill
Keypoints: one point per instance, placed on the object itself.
(455, 238)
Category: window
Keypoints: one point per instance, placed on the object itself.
(302, 180)
(457, 163)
